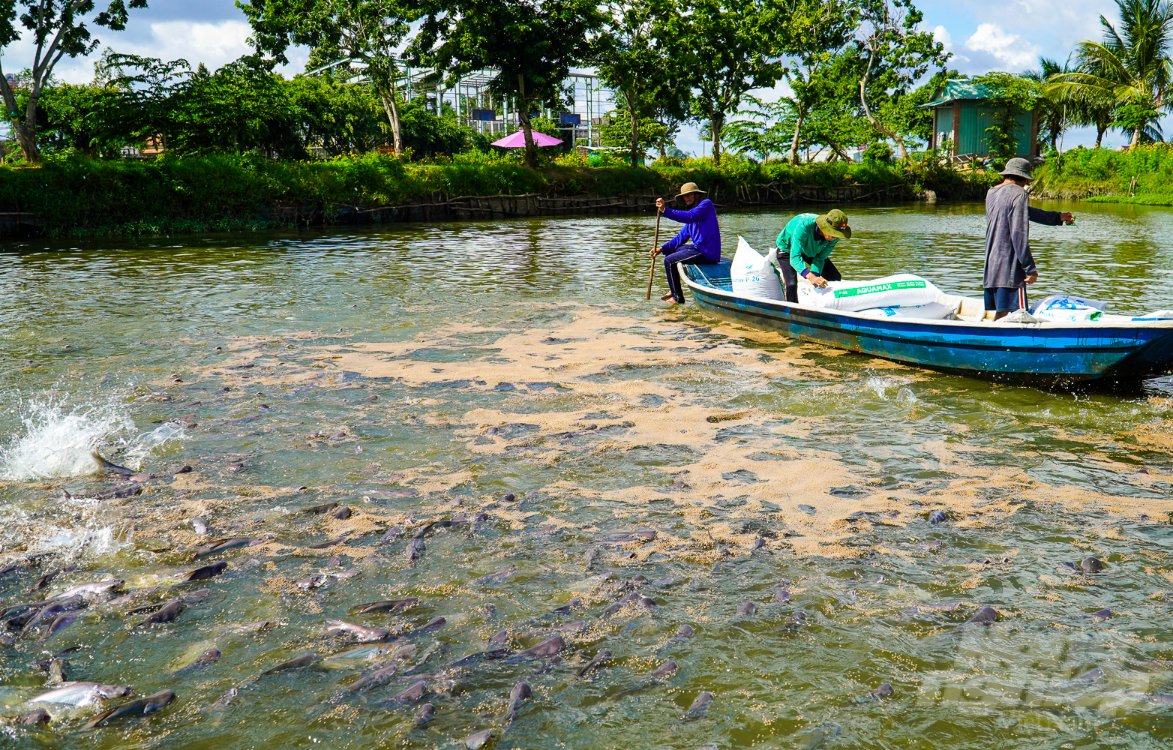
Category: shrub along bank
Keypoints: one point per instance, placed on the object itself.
(89, 197)
(1141, 175)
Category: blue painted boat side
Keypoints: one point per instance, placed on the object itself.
(1069, 353)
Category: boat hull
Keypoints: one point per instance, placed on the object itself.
(1053, 355)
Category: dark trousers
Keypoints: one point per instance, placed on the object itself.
(687, 254)
(790, 276)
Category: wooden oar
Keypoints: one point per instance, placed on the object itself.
(655, 244)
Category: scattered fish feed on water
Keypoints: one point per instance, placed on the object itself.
(315, 500)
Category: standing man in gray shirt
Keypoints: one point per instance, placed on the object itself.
(1009, 263)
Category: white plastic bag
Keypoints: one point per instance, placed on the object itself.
(1066, 308)
(931, 311)
(753, 275)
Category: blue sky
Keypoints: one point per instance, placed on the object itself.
(983, 35)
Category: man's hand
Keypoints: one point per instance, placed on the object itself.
(660, 205)
(816, 280)
(1032, 278)
(656, 251)
(1067, 218)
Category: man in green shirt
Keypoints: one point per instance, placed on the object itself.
(804, 247)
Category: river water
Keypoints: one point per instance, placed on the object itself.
(509, 378)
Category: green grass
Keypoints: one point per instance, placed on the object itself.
(88, 197)
(1142, 176)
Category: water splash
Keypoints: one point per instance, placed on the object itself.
(891, 389)
(58, 438)
(146, 444)
(74, 529)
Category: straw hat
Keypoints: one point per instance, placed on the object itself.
(690, 187)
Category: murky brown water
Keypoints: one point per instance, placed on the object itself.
(510, 379)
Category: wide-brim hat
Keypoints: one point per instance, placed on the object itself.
(689, 188)
(1017, 167)
(834, 224)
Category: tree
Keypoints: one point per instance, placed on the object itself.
(824, 32)
(529, 45)
(895, 55)
(59, 28)
(338, 118)
(834, 118)
(1130, 67)
(364, 31)
(242, 107)
(147, 87)
(728, 47)
(1052, 109)
(767, 129)
(634, 60)
(89, 119)
(1009, 96)
(617, 131)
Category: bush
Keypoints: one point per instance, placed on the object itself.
(76, 195)
(878, 153)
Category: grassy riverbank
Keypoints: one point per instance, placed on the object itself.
(1143, 175)
(84, 197)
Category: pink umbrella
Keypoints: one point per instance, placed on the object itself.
(517, 140)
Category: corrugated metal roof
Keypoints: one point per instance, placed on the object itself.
(959, 90)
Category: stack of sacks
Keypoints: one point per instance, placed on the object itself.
(753, 275)
(944, 308)
(899, 295)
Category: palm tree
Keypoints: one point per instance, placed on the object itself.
(1052, 108)
(1130, 67)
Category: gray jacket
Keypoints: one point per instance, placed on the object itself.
(1008, 258)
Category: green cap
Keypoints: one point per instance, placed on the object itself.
(834, 224)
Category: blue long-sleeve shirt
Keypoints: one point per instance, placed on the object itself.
(700, 226)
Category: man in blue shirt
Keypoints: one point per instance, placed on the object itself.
(698, 242)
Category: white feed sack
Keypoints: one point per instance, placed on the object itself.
(898, 290)
(753, 275)
(941, 310)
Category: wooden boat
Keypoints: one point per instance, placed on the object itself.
(1113, 349)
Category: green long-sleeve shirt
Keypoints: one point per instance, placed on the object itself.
(798, 242)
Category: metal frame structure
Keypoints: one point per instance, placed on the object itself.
(588, 98)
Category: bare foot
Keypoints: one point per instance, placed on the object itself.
(671, 301)
(666, 297)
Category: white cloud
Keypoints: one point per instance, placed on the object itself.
(942, 35)
(213, 44)
(210, 43)
(1008, 49)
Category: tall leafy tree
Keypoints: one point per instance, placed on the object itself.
(58, 28)
(895, 55)
(1052, 109)
(825, 29)
(1130, 66)
(616, 131)
(89, 119)
(339, 118)
(147, 88)
(633, 58)
(242, 107)
(726, 48)
(366, 31)
(763, 129)
(528, 45)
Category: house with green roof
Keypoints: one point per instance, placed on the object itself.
(961, 114)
